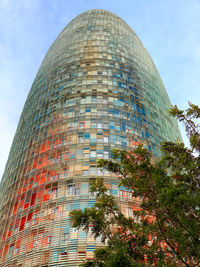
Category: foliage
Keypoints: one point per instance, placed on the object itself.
(166, 230)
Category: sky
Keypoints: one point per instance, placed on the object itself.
(169, 29)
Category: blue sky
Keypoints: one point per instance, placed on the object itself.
(169, 29)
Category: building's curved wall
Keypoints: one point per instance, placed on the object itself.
(97, 88)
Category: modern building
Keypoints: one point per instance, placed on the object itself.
(96, 89)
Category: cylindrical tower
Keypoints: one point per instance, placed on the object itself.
(97, 88)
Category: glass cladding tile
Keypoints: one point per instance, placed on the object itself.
(96, 89)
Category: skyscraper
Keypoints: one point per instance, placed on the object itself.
(97, 88)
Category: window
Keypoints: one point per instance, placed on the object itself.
(27, 224)
(65, 238)
(105, 125)
(81, 125)
(35, 243)
(130, 212)
(85, 172)
(71, 187)
(16, 251)
(105, 139)
(106, 154)
(49, 239)
(93, 170)
(93, 125)
(99, 155)
(93, 154)
(99, 125)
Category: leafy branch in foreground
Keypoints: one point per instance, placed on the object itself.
(165, 231)
(127, 241)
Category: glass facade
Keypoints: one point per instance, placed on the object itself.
(96, 89)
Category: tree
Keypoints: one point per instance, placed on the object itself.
(166, 230)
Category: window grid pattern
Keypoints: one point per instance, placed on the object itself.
(96, 89)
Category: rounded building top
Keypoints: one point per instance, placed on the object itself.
(97, 53)
(92, 25)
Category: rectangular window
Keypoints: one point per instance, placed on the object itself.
(93, 154)
(71, 187)
(106, 154)
(99, 125)
(85, 172)
(81, 125)
(105, 139)
(65, 238)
